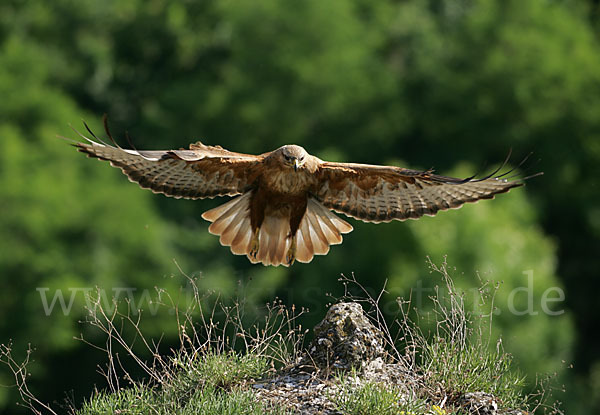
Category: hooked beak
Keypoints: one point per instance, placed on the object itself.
(296, 164)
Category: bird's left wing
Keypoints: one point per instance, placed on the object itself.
(198, 172)
(384, 193)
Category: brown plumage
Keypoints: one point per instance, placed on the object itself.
(283, 200)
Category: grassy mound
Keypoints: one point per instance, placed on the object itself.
(223, 367)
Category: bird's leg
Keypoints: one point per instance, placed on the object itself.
(297, 213)
(254, 244)
(291, 253)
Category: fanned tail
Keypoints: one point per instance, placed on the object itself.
(231, 221)
(318, 229)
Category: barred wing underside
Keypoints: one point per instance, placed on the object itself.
(382, 193)
(202, 171)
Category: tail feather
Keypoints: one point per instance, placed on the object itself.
(273, 240)
(341, 225)
(222, 216)
(319, 240)
(318, 229)
(332, 234)
(232, 230)
(241, 242)
(305, 250)
(264, 238)
(334, 223)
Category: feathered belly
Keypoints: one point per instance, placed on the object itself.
(291, 183)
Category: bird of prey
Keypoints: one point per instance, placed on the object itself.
(282, 204)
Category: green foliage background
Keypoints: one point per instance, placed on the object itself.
(450, 84)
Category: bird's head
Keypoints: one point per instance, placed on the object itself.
(293, 156)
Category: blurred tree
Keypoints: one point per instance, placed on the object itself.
(430, 82)
(68, 226)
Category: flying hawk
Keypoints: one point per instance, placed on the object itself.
(283, 200)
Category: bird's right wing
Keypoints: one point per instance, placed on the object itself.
(198, 172)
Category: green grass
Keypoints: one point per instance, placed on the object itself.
(461, 368)
(209, 384)
(458, 357)
(220, 371)
(140, 400)
(374, 398)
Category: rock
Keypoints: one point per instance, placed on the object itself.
(345, 339)
(479, 403)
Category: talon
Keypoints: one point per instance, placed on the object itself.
(254, 244)
(291, 253)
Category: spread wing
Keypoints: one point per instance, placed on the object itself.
(384, 193)
(198, 172)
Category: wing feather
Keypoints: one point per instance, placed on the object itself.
(384, 193)
(202, 171)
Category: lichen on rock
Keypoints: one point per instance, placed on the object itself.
(346, 343)
(345, 339)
